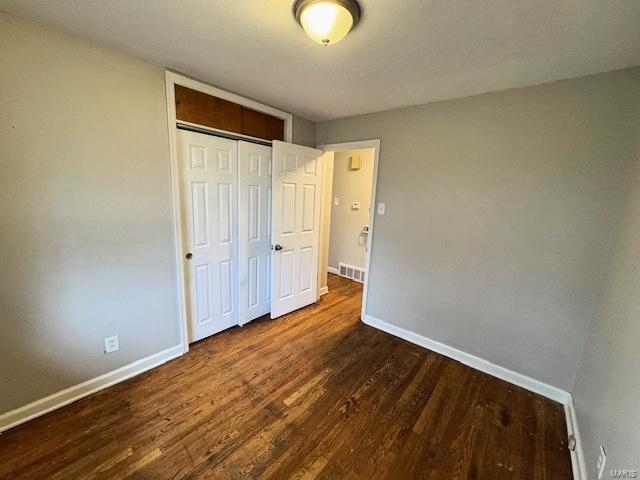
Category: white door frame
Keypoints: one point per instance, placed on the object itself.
(375, 144)
(171, 80)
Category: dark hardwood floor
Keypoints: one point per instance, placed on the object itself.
(314, 394)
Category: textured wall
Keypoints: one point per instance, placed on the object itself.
(607, 393)
(85, 209)
(500, 209)
(346, 223)
(304, 132)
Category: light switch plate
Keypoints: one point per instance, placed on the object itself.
(111, 344)
(336, 201)
(355, 205)
(382, 207)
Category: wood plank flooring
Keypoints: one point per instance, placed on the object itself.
(314, 394)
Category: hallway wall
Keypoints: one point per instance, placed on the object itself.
(347, 244)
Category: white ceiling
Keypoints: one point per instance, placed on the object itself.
(404, 52)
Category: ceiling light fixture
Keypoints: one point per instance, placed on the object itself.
(327, 21)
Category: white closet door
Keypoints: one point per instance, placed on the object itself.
(208, 179)
(297, 175)
(254, 231)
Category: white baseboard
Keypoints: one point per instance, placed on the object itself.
(531, 384)
(577, 455)
(333, 270)
(323, 291)
(64, 397)
(60, 399)
(528, 383)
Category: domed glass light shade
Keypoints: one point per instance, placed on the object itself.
(327, 21)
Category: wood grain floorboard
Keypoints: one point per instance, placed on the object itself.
(315, 394)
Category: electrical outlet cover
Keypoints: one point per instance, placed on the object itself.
(111, 344)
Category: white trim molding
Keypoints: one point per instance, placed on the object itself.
(503, 373)
(359, 145)
(323, 291)
(536, 386)
(174, 78)
(65, 397)
(333, 270)
(577, 456)
(183, 298)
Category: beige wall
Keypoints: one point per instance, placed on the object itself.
(499, 213)
(346, 223)
(85, 209)
(607, 393)
(304, 132)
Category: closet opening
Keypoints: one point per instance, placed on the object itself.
(213, 136)
(252, 212)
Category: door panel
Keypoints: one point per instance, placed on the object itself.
(268, 261)
(208, 173)
(200, 206)
(225, 213)
(286, 265)
(306, 266)
(254, 233)
(226, 287)
(295, 225)
(287, 208)
(203, 293)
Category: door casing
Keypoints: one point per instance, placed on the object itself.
(358, 145)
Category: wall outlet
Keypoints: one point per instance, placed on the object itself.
(111, 344)
(602, 460)
(381, 208)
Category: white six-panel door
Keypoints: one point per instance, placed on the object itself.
(254, 231)
(208, 180)
(237, 200)
(297, 175)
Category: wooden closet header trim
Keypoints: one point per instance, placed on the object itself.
(210, 111)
